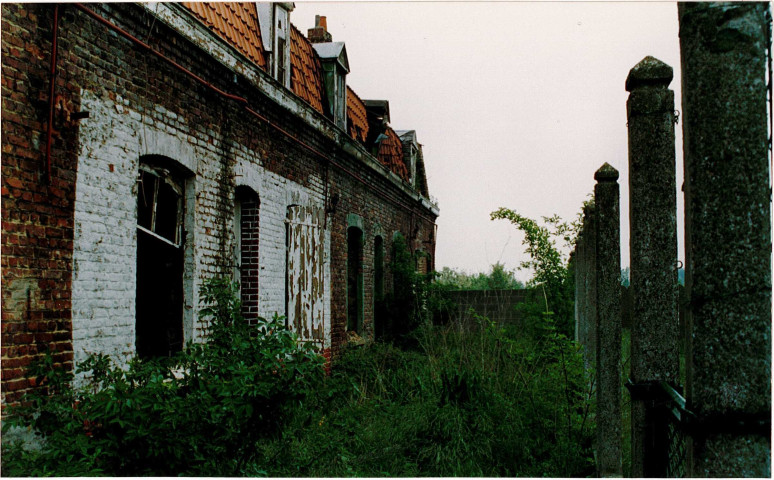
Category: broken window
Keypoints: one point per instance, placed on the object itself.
(159, 300)
(355, 280)
(304, 277)
(246, 210)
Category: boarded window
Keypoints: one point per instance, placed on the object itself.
(159, 300)
(305, 273)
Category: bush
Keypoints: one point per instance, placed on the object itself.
(199, 413)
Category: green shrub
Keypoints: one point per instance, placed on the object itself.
(199, 413)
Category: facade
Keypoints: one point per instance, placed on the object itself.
(149, 147)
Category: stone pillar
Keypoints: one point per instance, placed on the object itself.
(653, 247)
(728, 236)
(608, 274)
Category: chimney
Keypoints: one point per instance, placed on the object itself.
(319, 34)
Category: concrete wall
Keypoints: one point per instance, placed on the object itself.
(497, 305)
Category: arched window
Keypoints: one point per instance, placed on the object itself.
(379, 286)
(246, 229)
(355, 279)
(160, 257)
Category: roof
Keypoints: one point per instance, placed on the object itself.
(391, 154)
(237, 23)
(357, 119)
(407, 135)
(333, 51)
(379, 107)
(306, 72)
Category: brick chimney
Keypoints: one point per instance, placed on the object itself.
(319, 34)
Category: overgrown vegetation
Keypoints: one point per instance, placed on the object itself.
(466, 398)
(197, 414)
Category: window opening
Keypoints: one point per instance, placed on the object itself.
(159, 296)
(281, 68)
(379, 306)
(354, 280)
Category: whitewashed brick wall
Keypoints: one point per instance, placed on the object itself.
(112, 140)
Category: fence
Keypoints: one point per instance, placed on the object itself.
(699, 376)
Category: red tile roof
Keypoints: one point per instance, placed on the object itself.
(357, 120)
(306, 71)
(391, 154)
(237, 23)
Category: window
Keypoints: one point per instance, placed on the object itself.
(159, 300)
(379, 306)
(281, 67)
(354, 280)
(305, 273)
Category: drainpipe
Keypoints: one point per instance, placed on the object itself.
(52, 84)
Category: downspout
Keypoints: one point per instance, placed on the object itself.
(52, 84)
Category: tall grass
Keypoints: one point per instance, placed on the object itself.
(472, 399)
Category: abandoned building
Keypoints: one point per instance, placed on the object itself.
(149, 147)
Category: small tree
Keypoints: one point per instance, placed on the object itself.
(552, 277)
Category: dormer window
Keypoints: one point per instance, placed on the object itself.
(333, 56)
(281, 66)
(274, 22)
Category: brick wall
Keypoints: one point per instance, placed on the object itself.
(69, 248)
(37, 212)
(249, 265)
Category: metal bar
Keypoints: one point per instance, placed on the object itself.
(52, 84)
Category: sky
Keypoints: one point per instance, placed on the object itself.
(516, 104)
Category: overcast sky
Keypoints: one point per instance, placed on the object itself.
(516, 104)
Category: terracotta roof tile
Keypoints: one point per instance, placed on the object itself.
(306, 71)
(357, 120)
(391, 154)
(237, 23)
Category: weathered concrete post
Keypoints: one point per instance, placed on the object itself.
(728, 236)
(653, 246)
(608, 274)
(590, 303)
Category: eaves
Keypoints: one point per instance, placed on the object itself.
(176, 17)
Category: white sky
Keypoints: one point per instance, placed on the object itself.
(517, 104)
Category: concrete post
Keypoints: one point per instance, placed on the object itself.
(608, 275)
(590, 304)
(653, 246)
(728, 236)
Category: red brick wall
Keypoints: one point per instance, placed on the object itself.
(250, 266)
(37, 212)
